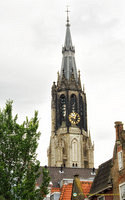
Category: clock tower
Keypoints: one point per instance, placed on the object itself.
(70, 142)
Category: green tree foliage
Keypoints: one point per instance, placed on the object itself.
(19, 168)
(2, 198)
(46, 180)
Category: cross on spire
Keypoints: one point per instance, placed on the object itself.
(67, 15)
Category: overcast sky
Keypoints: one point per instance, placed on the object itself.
(32, 34)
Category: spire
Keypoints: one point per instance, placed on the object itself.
(68, 51)
(68, 40)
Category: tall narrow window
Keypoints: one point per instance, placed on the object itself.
(74, 150)
(62, 107)
(82, 114)
(120, 160)
(85, 164)
(122, 191)
(73, 103)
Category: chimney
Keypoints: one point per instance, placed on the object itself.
(119, 129)
(76, 176)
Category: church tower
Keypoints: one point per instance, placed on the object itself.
(70, 142)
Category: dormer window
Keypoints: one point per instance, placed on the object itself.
(120, 160)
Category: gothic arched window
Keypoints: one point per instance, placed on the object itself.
(73, 103)
(62, 107)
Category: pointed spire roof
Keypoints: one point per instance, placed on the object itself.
(68, 39)
(68, 51)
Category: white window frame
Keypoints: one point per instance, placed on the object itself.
(120, 160)
(120, 185)
(101, 197)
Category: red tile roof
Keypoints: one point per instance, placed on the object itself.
(86, 186)
(66, 192)
(55, 190)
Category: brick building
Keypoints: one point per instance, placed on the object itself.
(109, 182)
(118, 168)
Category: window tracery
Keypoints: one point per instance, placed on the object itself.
(73, 103)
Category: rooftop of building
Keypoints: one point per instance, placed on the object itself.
(59, 175)
(102, 179)
(67, 189)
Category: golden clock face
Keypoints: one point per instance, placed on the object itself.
(74, 118)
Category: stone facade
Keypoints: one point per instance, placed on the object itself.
(70, 149)
(70, 144)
